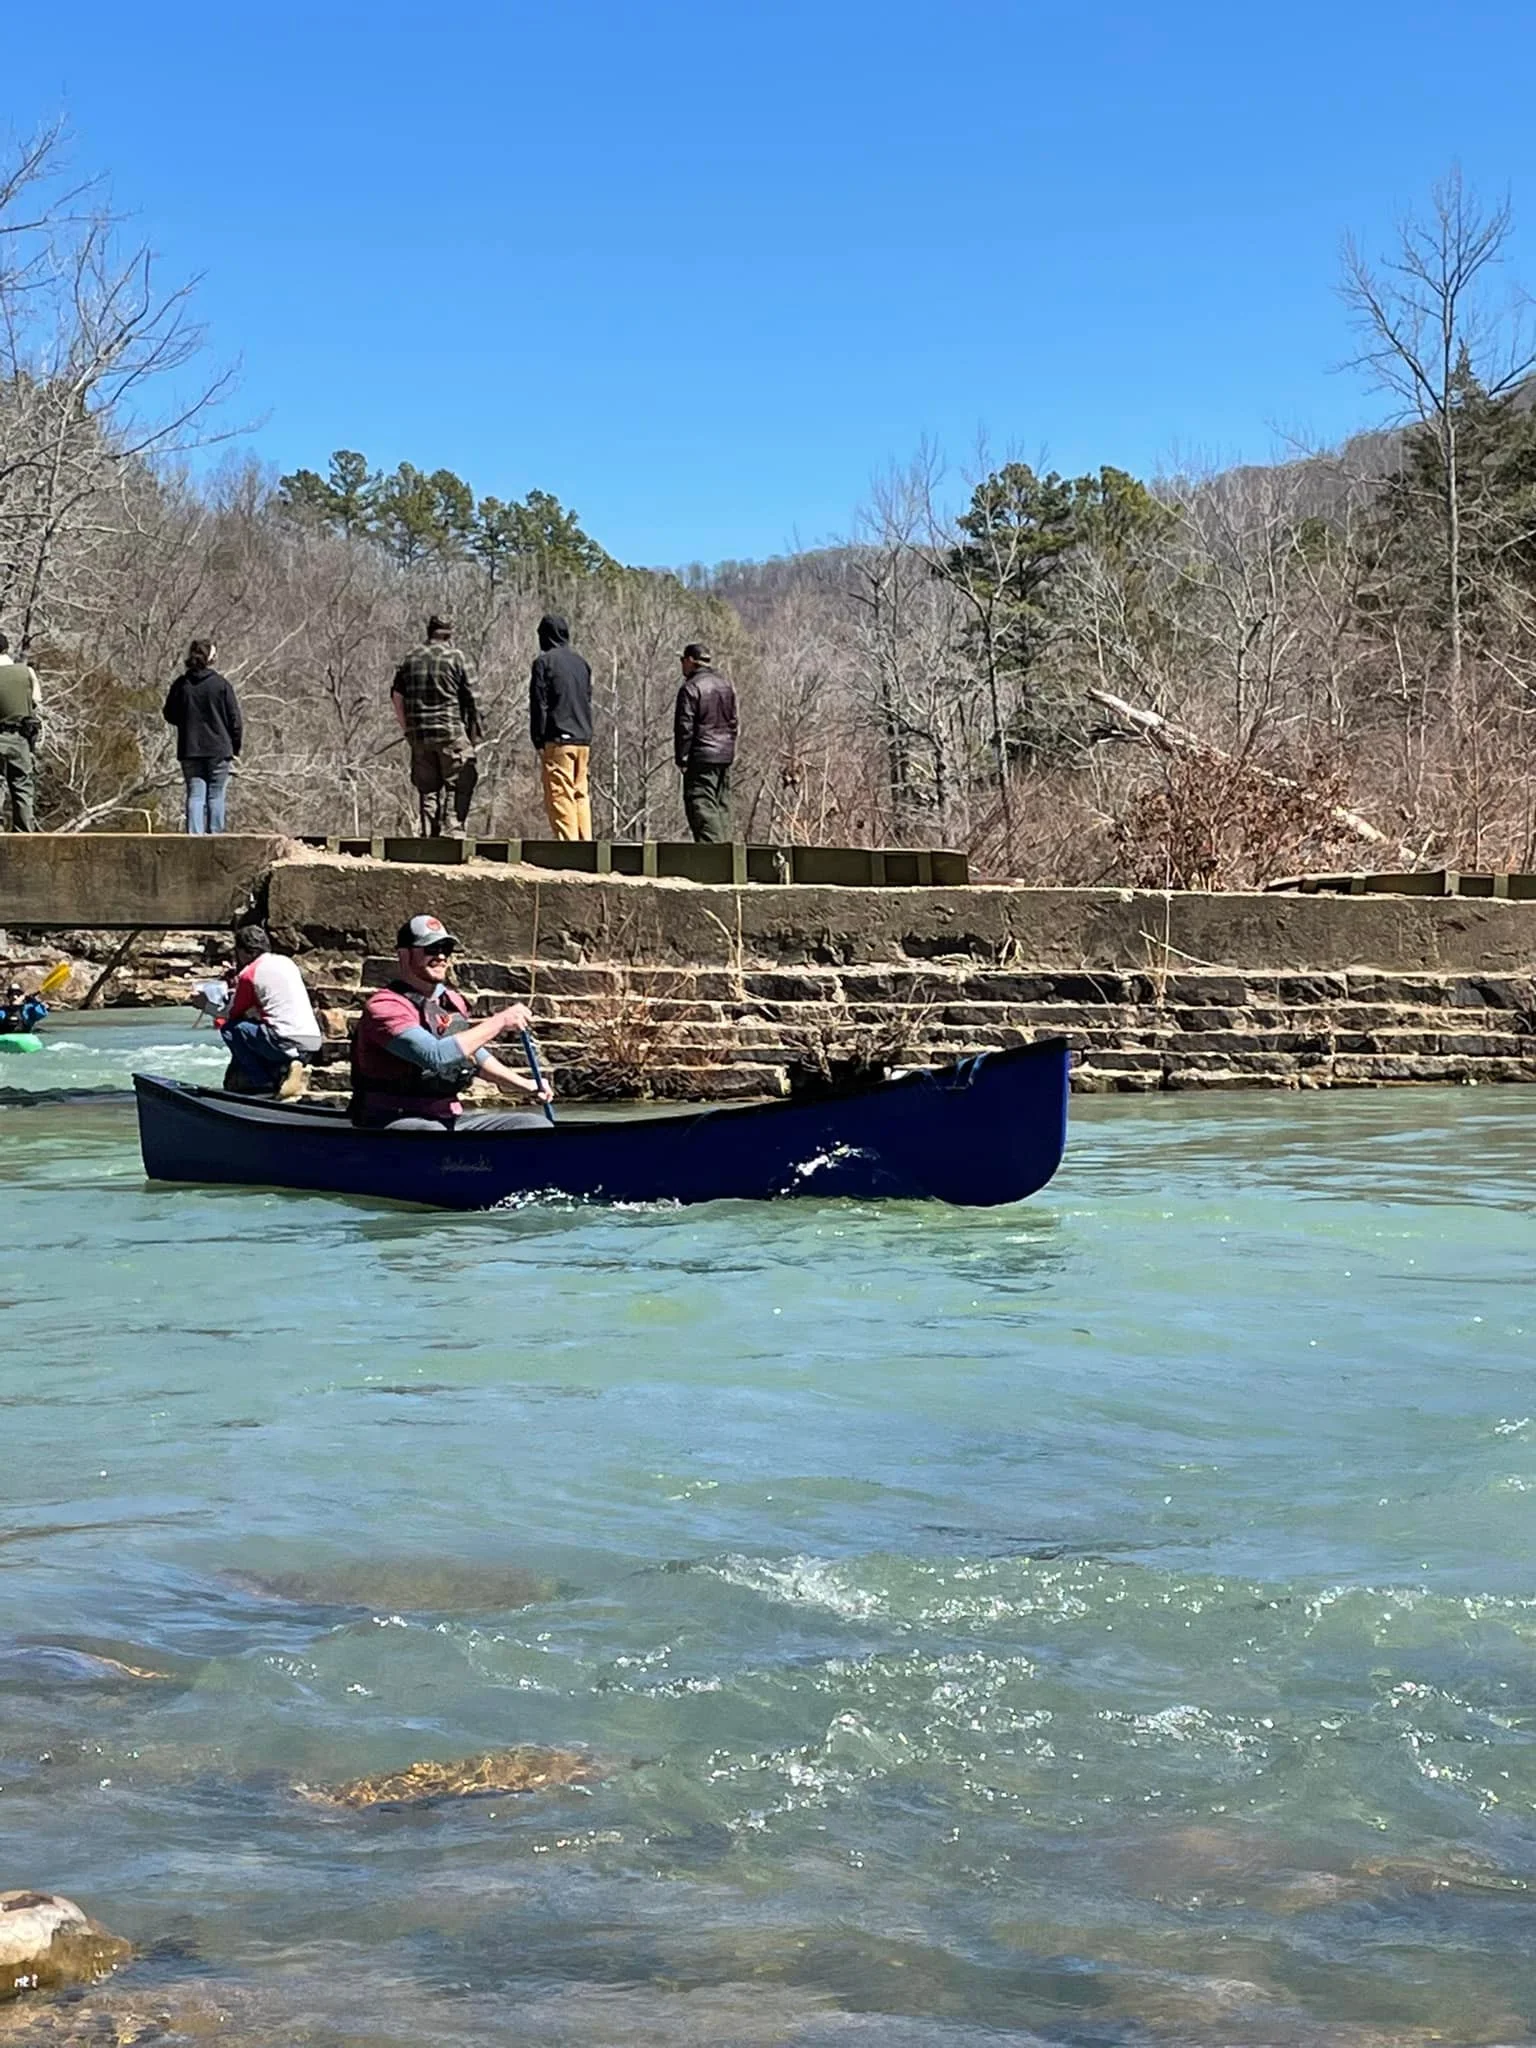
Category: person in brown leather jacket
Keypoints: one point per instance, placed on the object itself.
(704, 742)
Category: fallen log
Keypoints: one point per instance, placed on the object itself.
(94, 992)
(1162, 733)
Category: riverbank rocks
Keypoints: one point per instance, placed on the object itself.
(47, 1943)
(528, 1768)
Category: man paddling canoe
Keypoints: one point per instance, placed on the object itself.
(415, 1047)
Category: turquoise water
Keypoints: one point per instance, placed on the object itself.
(1107, 1620)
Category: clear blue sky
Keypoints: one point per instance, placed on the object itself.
(703, 269)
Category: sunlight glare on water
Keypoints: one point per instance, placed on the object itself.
(1109, 1619)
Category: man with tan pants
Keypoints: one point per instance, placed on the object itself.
(560, 724)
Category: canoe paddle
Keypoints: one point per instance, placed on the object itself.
(531, 1052)
(52, 981)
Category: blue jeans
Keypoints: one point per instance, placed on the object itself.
(259, 1054)
(206, 780)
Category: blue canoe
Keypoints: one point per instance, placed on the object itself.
(986, 1130)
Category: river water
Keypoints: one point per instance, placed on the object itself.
(1111, 1619)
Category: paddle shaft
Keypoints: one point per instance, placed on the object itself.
(531, 1052)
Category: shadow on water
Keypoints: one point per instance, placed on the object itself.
(997, 1250)
(53, 1098)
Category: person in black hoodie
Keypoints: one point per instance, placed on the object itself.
(560, 723)
(203, 707)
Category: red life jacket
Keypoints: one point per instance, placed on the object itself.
(384, 1085)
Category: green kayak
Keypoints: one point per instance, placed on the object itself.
(20, 1041)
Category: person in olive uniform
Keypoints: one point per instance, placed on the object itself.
(704, 741)
(21, 727)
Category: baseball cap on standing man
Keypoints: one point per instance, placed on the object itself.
(424, 931)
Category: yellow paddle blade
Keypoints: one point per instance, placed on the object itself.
(53, 980)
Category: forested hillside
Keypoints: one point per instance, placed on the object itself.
(1193, 680)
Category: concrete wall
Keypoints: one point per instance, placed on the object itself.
(121, 881)
(107, 881)
(709, 992)
(510, 915)
(677, 987)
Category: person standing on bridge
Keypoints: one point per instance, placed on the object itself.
(202, 706)
(21, 727)
(560, 724)
(704, 734)
(435, 708)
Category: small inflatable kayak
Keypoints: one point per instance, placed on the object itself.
(20, 1041)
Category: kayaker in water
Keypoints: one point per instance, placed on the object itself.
(22, 1013)
(416, 1046)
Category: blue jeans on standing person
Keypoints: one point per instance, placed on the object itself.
(259, 1054)
(206, 780)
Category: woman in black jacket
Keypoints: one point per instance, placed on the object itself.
(202, 706)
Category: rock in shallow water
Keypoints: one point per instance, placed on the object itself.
(402, 1586)
(525, 1769)
(1211, 1866)
(47, 1943)
(116, 2018)
(78, 1663)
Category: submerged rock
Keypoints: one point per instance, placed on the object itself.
(47, 1943)
(525, 1769)
(1221, 2012)
(80, 1663)
(1210, 1866)
(402, 1586)
(116, 2018)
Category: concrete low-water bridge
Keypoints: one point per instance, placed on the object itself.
(786, 947)
(121, 881)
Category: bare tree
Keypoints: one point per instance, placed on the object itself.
(903, 634)
(1431, 331)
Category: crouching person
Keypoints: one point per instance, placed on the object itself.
(270, 1027)
(416, 1046)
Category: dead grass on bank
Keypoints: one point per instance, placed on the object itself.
(838, 1050)
(634, 1037)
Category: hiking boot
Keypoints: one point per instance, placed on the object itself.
(294, 1082)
